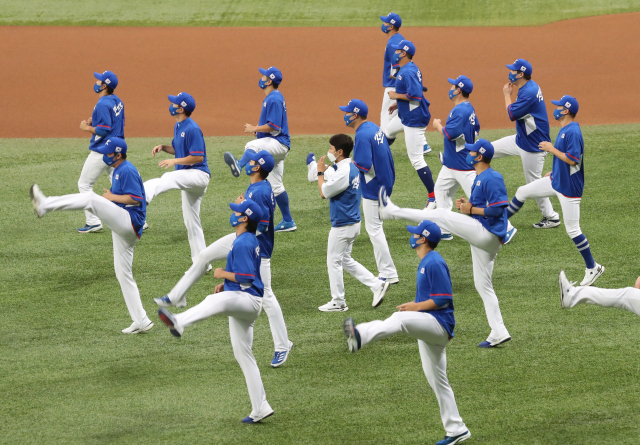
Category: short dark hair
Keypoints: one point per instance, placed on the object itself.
(342, 142)
(527, 76)
(432, 245)
(109, 89)
(252, 226)
(187, 113)
(409, 56)
(124, 155)
(573, 115)
(397, 28)
(263, 173)
(275, 85)
(465, 95)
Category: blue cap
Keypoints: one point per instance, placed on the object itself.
(184, 100)
(263, 158)
(356, 106)
(109, 79)
(393, 19)
(249, 208)
(428, 229)
(462, 82)
(112, 145)
(569, 102)
(406, 45)
(272, 73)
(521, 65)
(483, 147)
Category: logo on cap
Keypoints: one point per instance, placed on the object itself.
(356, 109)
(261, 161)
(393, 22)
(107, 81)
(183, 103)
(567, 105)
(248, 212)
(426, 233)
(482, 150)
(272, 76)
(118, 149)
(406, 48)
(460, 84)
(523, 68)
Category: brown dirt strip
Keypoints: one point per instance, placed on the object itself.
(47, 72)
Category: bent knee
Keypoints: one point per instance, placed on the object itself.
(573, 230)
(418, 163)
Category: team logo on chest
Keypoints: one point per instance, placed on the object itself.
(182, 134)
(422, 270)
(478, 183)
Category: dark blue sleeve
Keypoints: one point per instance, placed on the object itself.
(495, 192)
(413, 89)
(401, 85)
(275, 111)
(522, 106)
(243, 262)
(131, 184)
(494, 212)
(263, 202)
(195, 142)
(101, 131)
(574, 144)
(440, 281)
(104, 120)
(454, 126)
(363, 155)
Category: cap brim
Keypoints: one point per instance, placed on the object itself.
(346, 109)
(385, 19)
(511, 67)
(98, 76)
(472, 147)
(414, 229)
(452, 81)
(236, 207)
(262, 71)
(556, 102)
(174, 99)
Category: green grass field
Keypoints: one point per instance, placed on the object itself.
(302, 12)
(67, 375)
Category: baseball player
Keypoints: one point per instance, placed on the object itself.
(340, 184)
(107, 121)
(259, 191)
(122, 209)
(191, 174)
(532, 127)
(566, 181)
(429, 319)
(413, 113)
(239, 298)
(627, 298)
(372, 157)
(272, 135)
(482, 222)
(390, 25)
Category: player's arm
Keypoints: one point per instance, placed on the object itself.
(548, 147)
(275, 111)
(102, 124)
(242, 264)
(337, 183)
(166, 148)
(222, 274)
(132, 191)
(120, 199)
(521, 107)
(428, 305)
(266, 128)
(574, 149)
(363, 156)
(452, 129)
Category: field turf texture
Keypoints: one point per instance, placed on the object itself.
(68, 376)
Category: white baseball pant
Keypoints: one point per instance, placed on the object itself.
(339, 248)
(414, 139)
(385, 117)
(373, 225)
(93, 167)
(193, 185)
(279, 152)
(242, 309)
(219, 251)
(484, 249)
(532, 164)
(432, 342)
(627, 298)
(124, 240)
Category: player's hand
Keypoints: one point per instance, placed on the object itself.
(240, 199)
(459, 202)
(322, 167)
(248, 128)
(437, 123)
(465, 206)
(156, 149)
(507, 89)
(167, 163)
(548, 174)
(84, 125)
(90, 121)
(219, 288)
(393, 108)
(545, 146)
(411, 306)
(107, 194)
(638, 283)
(218, 273)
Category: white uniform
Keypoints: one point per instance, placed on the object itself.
(627, 298)
(92, 169)
(279, 152)
(385, 117)
(447, 185)
(415, 140)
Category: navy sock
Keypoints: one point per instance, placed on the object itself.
(513, 207)
(583, 247)
(283, 204)
(426, 178)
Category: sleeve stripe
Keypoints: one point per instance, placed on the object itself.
(411, 97)
(441, 295)
(445, 132)
(496, 203)
(572, 157)
(366, 169)
(199, 152)
(262, 220)
(245, 274)
(103, 126)
(134, 196)
(273, 125)
(509, 111)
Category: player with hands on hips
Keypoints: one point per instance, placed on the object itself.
(566, 181)
(413, 114)
(627, 298)
(191, 174)
(429, 319)
(106, 121)
(391, 26)
(122, 209)
(272, 135)
(340, 184)
(482, 222)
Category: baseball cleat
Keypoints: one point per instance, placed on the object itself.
(333, 307)
(394, 280)
(385, 206)
(492, 342)
(446, 237)
(145, 226)
(232, 162)
(591, 275)
(209, 268)
(135, 329)
(426, 149)
(90, 229)
(379, 294)
(353, 336)
(170, 320)
(311, 158)
(36, 199)
(391, 141)
(285, 226)
(565, 286)
(451, 440)
(440, 157)
(509, 236)
(431, 205)
(281, 356)
(256, 419)
(166, 302)
(547, 223)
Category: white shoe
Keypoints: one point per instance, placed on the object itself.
(209, 268)
(385, 206)
(565, 286)
(135, 329)
(333, 307)
(378, 295)
(394, 280)
(440, 157)
(145, 226)
(591, 275)
(431, 205)
(36, 199)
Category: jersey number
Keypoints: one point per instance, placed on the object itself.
(539, 95)
(419, 75)
(118, 109)
(472, 119)
(379, 137)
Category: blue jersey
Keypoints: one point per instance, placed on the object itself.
(415, 111)
(127, 181)
(530, 114)
(569, 179)
(189, 141)
(387, 69)
(262, 194)
(434, 281)
(108, 114)
(462, 127)
(344, 207)
(489, 190)
(244, 261)
(274, 114)
(372, 156)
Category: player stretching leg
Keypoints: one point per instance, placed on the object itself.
(341, 185)
(122, 210)
(240, 299)
(429, 319)
(106, 121)
(272, 134)
(627, 298)
(413, 113)
(482, 222)
(372, 156)
(191, 175)
(390, 25)
(566, 181)
(259, 191)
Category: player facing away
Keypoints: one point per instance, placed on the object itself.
(272, 135)
(413, 113)
(627, 298)
(191, 174)
(340, 184)
(566, 181)
(106, 121)
(240, 299)
(429, 319)
(390, 25)
(532, 127)
(122, 209)
(372, 157)
(259, 191)
(482, 222)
